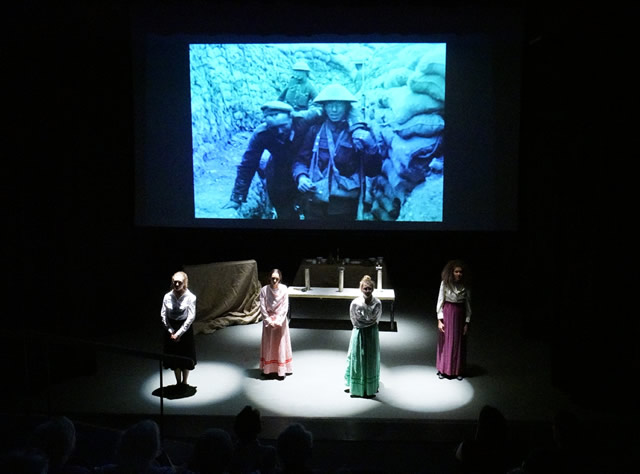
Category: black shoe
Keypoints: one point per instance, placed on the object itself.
(440, 375)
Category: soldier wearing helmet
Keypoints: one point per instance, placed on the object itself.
(281, 135)
(334, 159)
(300, 92)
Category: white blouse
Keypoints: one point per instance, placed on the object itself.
(274, 305)
(179, 309)
(364, 315)
(454, 295)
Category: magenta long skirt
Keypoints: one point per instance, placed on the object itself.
(451, 351)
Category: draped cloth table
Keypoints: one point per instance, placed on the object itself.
(227, 294)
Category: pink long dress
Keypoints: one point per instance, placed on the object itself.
(275, 352)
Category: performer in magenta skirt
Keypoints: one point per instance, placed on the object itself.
(454, 314)
(275, 354)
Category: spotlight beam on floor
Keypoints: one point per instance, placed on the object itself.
(214, 382)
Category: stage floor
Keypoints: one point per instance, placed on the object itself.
(506, 370)
(415, 416)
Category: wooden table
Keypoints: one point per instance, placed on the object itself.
(386, 294)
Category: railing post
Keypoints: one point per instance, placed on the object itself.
(161, 399)
(48, 371)
(27, 376)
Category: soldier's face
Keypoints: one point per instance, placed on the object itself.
(299, 75)
(336, 110)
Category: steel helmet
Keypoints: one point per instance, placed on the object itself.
(301, 66)
(335, 92)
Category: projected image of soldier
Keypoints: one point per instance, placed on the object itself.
(334, 159)
(300, 92)
(281, 135)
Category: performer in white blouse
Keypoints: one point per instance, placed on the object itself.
(454, 314)
(362, 376)
(276, 356)
(178, 313)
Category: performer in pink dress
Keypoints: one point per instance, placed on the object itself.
(275, 355)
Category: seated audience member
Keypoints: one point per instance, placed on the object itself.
(211, 453)
(540, 461)
(137, 451)
(294, 448)
(487, 452)
(24, 461)
(571, 439)
(57, 439)
(567, 451)
(250, 455)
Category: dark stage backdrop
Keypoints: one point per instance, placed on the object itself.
(75, 225)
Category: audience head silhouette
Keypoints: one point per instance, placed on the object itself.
(139, 446)
(24, 461)
(492, 425)
(487, 452)
(57, 439)
(247, 424)
(567, 430)
(212, 452)
(294, 447)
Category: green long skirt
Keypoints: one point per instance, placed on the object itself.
(363, 362)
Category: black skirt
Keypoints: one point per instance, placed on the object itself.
(185, 347)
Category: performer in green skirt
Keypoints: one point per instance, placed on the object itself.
(362, 376)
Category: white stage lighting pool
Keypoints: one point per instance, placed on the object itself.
(411, 335)
(418, 388)
(215, 382)
(316, 388)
